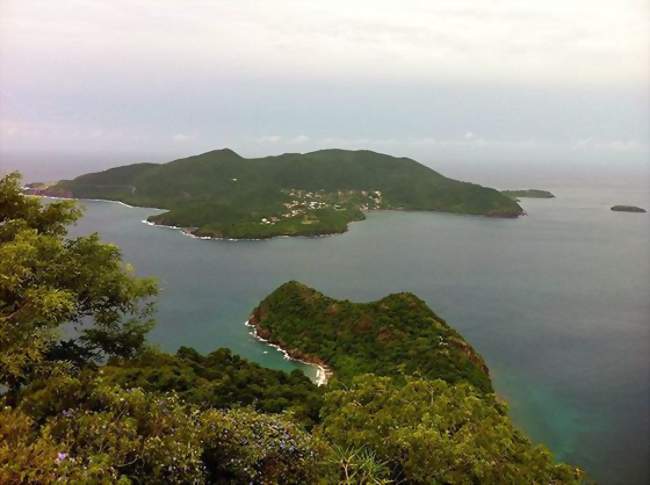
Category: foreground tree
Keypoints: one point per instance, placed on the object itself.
(48, 281)
(113, 435)
(429, 431)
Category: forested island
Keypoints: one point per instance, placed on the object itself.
(627, 208)
(394, 336)
(409, 400)
(221, 194)
(528, 193)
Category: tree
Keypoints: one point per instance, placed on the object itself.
(48, 280)
(429, 431)
(86, 431)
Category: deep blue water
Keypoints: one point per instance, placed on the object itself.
(557, 302)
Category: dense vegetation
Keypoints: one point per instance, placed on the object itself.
(47, 281)
(218, 380)
(103, 407)
(396, 335)
(431, 432)
(222, 194)
(528, 193)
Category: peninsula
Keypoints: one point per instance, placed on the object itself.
(528, 194)
(223, 195)
(392, 336)
(407, 387)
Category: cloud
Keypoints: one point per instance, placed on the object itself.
(269, 139)
(182, 138)
(615, 146)
(296, 75)
(297, 140)
(276, 139)
(577, 42)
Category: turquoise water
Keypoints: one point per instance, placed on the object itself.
(557, 302)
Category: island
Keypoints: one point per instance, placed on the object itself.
(220, 194)
(628, 208)
(528, 194)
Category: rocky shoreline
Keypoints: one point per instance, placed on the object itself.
(323, 372)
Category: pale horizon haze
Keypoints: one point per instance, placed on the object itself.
(90, 84)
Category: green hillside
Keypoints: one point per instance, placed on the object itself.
(222, 194)
(392, 336)
(528, 194)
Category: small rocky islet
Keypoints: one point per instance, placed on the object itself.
(628, 208)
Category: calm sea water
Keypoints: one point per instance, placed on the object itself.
(557, 302)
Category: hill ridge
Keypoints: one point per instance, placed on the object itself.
(219, 193)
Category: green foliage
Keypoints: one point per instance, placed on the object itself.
(528, 193)
(219, 193)
(47, 281)
(395, 335)
(359, 466)
(112, 434)
(219, 380)
(18, 212)
(431, 432)
(243, 446)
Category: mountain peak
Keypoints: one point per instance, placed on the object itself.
(228, 152)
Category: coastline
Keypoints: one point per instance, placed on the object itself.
(124, 204)
(323, 373)
(186, 232)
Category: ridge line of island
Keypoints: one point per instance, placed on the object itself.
(220, 194)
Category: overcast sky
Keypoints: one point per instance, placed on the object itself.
(479, 80)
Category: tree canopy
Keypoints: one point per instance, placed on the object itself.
(429, 431)
(51, 284)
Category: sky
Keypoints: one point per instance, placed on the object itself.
(475, 81)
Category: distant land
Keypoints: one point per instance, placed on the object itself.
(627, 208)
(221, 194)
(528, 193)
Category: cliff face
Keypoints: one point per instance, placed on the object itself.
(392, 336)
